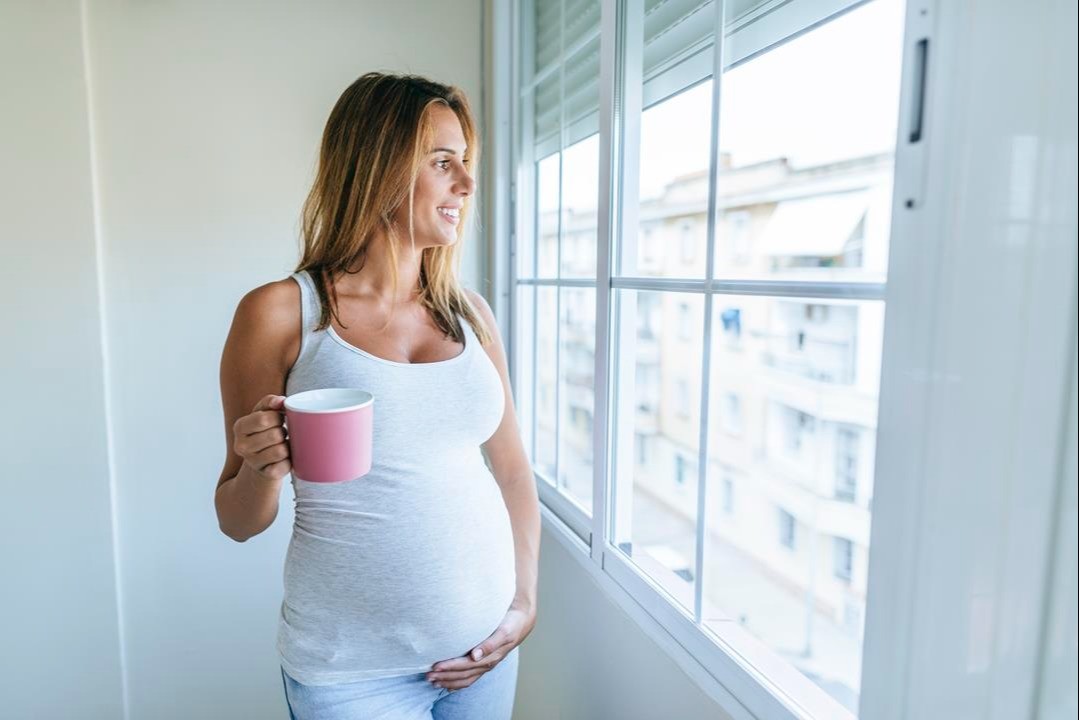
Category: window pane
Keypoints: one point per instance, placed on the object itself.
(807, 139)
(658, 389)
(548, 175)
(546, 354)
(580, 192)
(576, 370)
(791, 477)
(672, 227)
(559, 112)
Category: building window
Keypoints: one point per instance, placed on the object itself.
(646, 314)
(798, 427)
(728, 494)
(786, 529)
(843, 558)
(816, 313)
(683, 398)
(679, 469)
(685, 322)
(650, 259)
(846, 465)
(689, 250)
(732, 414)
(738, 224)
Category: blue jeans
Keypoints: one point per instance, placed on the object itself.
(406, 697)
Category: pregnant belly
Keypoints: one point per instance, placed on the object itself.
(398, 593)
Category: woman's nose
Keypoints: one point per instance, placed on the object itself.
(466, 184)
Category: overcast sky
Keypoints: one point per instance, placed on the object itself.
(831, 94)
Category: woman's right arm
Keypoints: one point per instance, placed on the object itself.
(262, 345)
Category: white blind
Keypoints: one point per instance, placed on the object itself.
(673, 31)
(676, 52)
(579, 45)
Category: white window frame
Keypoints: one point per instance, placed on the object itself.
(940, 240)
(772, 686)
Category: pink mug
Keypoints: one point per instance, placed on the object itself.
(329, 434)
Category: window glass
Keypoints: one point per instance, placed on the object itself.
(803, 187)
(658, 387)
(576, 370)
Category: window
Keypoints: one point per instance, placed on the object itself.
(728, 494)
(683, 398)
(798, 427)
(685, 322)
(788, 145)
(689, 244)
(646, 318)
(732, 414)
(786, 529)
(738, 227)
(816, 313)
(846, 465)
(647, 384)
(843, 558)
(642, 449)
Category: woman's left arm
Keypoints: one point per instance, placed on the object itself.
(506, 454)
(512, 470)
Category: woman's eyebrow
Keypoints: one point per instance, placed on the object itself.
(446, 150)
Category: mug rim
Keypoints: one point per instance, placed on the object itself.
(357, 399)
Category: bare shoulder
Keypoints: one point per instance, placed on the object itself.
(268, 321)
(276, 298)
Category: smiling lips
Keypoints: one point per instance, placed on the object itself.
(450, 215)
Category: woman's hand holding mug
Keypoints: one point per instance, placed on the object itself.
(260, 439)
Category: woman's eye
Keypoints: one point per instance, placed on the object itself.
(443, 164)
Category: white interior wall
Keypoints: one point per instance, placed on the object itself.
(58, 611)
(208, 118)
(587, 659)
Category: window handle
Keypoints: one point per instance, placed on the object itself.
(921, 52)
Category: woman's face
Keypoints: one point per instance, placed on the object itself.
(443, 184)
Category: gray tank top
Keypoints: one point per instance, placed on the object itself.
(413, 563)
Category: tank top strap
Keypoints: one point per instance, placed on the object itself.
(472, 341)
(310, 310)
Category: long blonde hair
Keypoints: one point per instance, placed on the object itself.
(373, 148)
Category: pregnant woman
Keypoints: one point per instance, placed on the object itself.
(406, 591)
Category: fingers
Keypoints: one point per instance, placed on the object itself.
(463, 666)
(459, 684)
(270, 402)
(269, 456)
(257, 421)
(504, 643)
(462, 679)
(260, 441)
(457, 665)
(277, 470)
(268, 413)
(449, 677)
